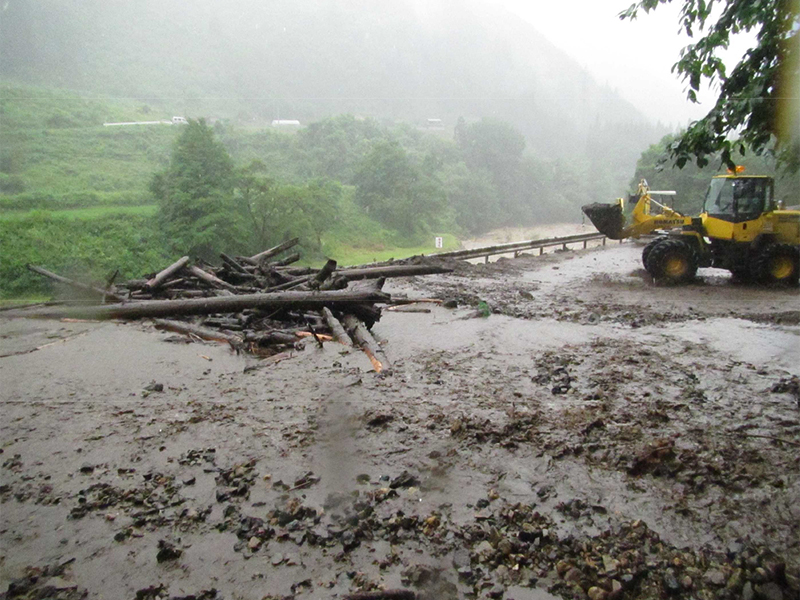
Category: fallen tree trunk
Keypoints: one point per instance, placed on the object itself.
(234, 265)
(292, 258)
(383, 595)
(339, 334)
(267, 254)
(323, 274)
(290, 284)
(211, 279)
(75, 284)
(265, 338)
(201, 332)
(367, 343)
(161, 277)
(205, 306)
(392, 271)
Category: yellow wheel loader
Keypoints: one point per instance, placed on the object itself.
(741, 228)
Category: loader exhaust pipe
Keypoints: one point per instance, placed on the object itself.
(607, 218)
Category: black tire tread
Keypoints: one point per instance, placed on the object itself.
(761, 267)
(663, 250)
(648, 248)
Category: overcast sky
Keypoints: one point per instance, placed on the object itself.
(633, 57)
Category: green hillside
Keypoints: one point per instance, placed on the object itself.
(249, 62)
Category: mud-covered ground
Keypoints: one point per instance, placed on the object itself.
(594, 437)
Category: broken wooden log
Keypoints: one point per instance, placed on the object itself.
(205, 306)
(164, 275)
(296, 271)
(323, 274)
(201, 332)
(76, 284)
(289, 284)
(383, 595)
(320, 336)
(267, 254)
(211, 279)
(392, 271)
(265, 338)
(334, 283)
(339, 334)
(292, 258)
(363, 338)
(233, 264)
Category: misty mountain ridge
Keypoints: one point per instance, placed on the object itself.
(256, 61)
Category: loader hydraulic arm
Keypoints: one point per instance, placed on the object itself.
(610, 221)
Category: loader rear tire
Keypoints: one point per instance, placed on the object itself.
(673, 261)
(778, 264)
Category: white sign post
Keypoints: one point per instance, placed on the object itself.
(439, 242)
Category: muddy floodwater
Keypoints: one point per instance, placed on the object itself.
(595, 436)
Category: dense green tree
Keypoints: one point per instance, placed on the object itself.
(276, 212)
(254, 195)
(492, 145)
(395, 191)
(757, 107)
(320, 206)
(197, 212)
(333, 147)
(472, 197)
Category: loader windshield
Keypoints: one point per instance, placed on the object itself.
(738, 198)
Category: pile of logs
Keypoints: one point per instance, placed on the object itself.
(258, 304)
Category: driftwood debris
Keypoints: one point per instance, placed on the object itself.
(255, 304)
(206, 306)
(164, 275)
(267, 254)
(361, 335)
(339, 334)
(75, 284)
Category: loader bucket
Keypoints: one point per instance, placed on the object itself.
(607, 218)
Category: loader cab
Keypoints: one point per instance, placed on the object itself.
(737, 199)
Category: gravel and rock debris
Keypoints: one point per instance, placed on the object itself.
(593, 438)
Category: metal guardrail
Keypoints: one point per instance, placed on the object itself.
(517, 247)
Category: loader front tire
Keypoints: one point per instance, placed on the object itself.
(647, 249)
(673, 261)
(778, 264)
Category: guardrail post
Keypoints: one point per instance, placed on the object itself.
(564, 247)
(604, 241)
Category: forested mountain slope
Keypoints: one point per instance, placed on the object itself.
(259, 60)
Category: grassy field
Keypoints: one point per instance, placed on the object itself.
(77, 214)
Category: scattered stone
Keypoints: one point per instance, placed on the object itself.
(573, 575)
(747, 591)
(671, 584)
(167, 551)
(154, 387)
(254, 543)
(87, 468)
(596, 593)
(715, 577)
(404, 480)
(769, 591)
